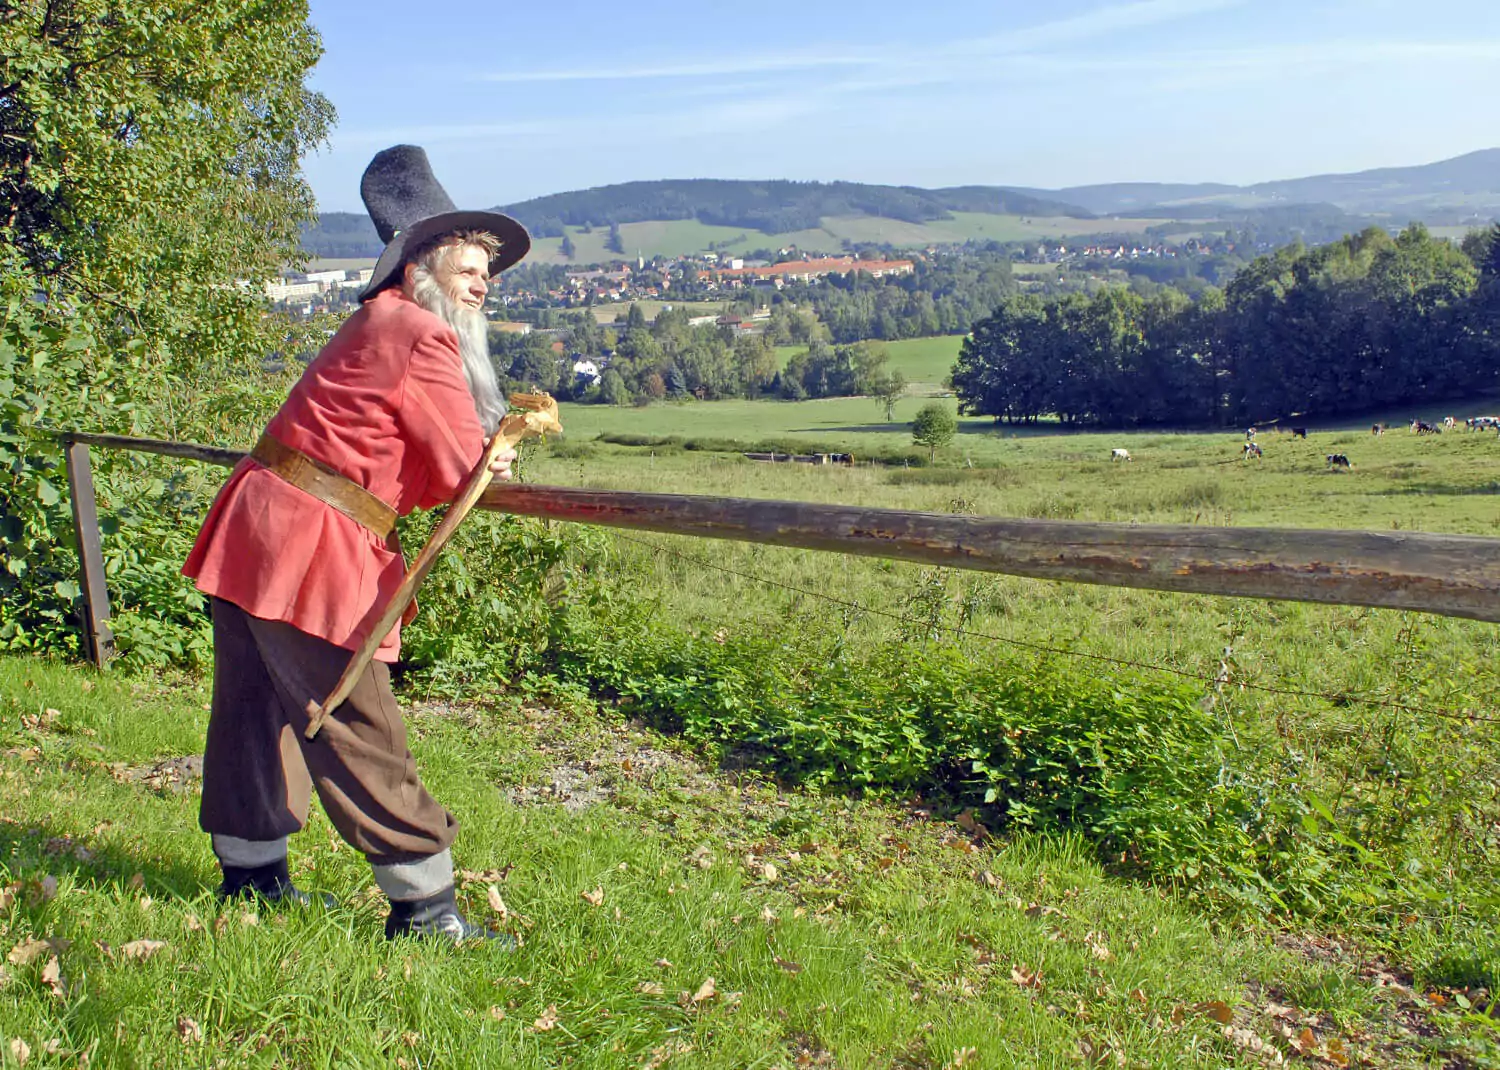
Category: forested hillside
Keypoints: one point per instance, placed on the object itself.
(774, 207)
(1366, 322)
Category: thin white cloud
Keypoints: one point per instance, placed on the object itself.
(747, 65)
(1099, 22)
(734, 117)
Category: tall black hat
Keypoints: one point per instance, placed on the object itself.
(409, 207)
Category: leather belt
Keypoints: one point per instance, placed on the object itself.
(326, 484)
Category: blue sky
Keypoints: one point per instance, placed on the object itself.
(518, 100)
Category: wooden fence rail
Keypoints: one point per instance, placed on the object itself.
(1450, 575)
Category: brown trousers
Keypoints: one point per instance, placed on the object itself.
(259, 770)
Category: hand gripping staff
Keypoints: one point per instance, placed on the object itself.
(538, 416)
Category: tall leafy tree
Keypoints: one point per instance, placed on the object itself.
(149, 178)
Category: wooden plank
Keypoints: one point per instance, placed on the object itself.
(1451, 575)
(186, 450)
(97, 634)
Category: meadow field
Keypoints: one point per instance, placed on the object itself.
(732, 798)
(682, 236)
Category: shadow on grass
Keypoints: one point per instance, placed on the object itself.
(1450, 489)
(35, 851)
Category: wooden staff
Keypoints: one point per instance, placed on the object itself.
(539, 416)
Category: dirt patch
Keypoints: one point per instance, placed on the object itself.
(166, 774)
(577, 780)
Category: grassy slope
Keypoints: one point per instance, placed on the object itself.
(836, 933)
(926, 362)
(679, 236)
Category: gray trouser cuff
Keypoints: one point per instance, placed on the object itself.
(406, 881)
(247, 854)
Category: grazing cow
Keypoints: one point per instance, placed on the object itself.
(1299, 432)
(1251, 449)
(1449, 423)
(1119, 455)
(1249, 434)
(1421, 427)
(1338, 460)
(1377, 429)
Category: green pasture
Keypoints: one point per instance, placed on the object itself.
(346, 263)
(618, 310)
(1399, 482)
(669, 237)
(925, 362)
(679, 237)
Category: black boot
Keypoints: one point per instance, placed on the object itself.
(438, 915)
(271, 882)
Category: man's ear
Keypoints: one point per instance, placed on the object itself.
(408, 276)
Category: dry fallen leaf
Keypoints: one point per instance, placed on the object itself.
(789, 967)
(192, 923)
(649, 988)
(662, 964)
(962, 1057)
(47, 888)
(137, 881)
(705, 991)
(1024, 977)
(594, 898)
(768, 872)
(189, 1031)
(1218, 1011)
(548, 1020)
(140, 950)
(52, 977)
(1305, 1043)
(21, 1050)
(27, 951)
(497, 1013)
(496, 903)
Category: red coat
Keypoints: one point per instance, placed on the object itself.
(386, 404)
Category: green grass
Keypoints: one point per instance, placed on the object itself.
(836, 932)
(679, 237)
(619, 310)
(925, 362)
(905, 948)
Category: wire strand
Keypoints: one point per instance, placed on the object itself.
(1215, 681)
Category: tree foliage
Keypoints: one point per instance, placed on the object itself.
(1366, 322)
(934, 427)
(149, 178)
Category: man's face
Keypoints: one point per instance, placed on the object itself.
(464, 275)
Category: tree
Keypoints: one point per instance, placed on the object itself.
(149, 164)
(614, 243)
(888, 388)
(612, 389)
(934, 427)
(567, 248)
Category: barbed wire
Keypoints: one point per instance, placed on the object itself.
(1218, 681)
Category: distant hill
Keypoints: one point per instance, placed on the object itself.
(736, 214)
(1449, 191)
(775, 207)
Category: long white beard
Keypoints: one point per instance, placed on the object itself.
(473, 346)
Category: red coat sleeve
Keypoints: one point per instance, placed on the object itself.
(438, 418)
